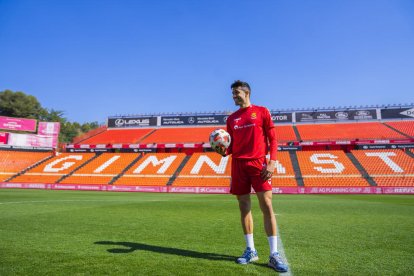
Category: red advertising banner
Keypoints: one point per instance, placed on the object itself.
(32, 140)
(48, 128)
(17, 124)
(3, 138)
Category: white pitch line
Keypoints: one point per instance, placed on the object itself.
(54, 201)
(282, 253)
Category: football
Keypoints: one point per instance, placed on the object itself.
(219, 138)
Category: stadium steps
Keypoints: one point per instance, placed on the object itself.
(30, 167)
(145, 136)
(179, 169)
(126, 169)
(407, 151)
(295, 129)
(89, 134)
(296, 168)
(78, 168)
(361, 169)
(396, 130)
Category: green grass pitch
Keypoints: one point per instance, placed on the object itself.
(45, 232)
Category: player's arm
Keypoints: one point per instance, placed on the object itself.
(270, 132)
(229, 150)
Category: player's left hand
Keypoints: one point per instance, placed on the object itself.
(268, 170)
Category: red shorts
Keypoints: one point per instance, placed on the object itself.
(245, 174)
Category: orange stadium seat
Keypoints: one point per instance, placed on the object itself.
(102, 169)
(13, 162)
(385, 162)
(284, 175)
(329, 168)
(55, 168)
(154, 169)
(285, 134)
(406, 127)
(395, 181)
(335, 182)
(387, 167)
(181, 135)
(346, 131)
(118, 136)
(205, 169)
(210, 169)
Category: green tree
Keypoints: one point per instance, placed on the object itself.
(18, 104)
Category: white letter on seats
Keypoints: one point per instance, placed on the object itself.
(219, 169)
(166, 163)
(279, 168)
(339, 167)
(106, 164)
(66, 165)
(384, 156)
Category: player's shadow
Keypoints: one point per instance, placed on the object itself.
(128, 247)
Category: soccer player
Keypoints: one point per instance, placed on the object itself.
(252, 131)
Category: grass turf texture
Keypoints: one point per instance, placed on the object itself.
(75, 232)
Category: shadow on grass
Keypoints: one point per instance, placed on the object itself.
(128, 247)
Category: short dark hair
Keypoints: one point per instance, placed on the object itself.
(239, 83)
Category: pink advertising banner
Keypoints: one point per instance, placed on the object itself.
(17, 124)
(48, 128)
(32, 140)
(3, 138)
(209, 190)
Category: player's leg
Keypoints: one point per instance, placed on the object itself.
(246, 213)
(240, 187)
(265, 202)
(263, 190)
(250, 253)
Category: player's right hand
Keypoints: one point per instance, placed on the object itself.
(221, 150)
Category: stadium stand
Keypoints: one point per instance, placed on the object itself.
(102, 169)
(118, 136)
(404, 181)
(55, 168)
(205, 169)
(387, 167)
(284, 175)
(89, 134)
(152, 170)
(406, 127)
(210, 170)
(180, 135)
(285, 134)
(347, 131)
(13, 162)
(328, 168)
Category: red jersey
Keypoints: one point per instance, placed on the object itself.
(251, 130)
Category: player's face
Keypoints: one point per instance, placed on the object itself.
(240, 95)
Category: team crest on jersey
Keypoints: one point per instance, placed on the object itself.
(253, 116)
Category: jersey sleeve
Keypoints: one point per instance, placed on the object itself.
(230, 131)
(270, 132)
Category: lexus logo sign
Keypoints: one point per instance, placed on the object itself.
(127, 122)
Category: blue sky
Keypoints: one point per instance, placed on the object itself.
(93, 59)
